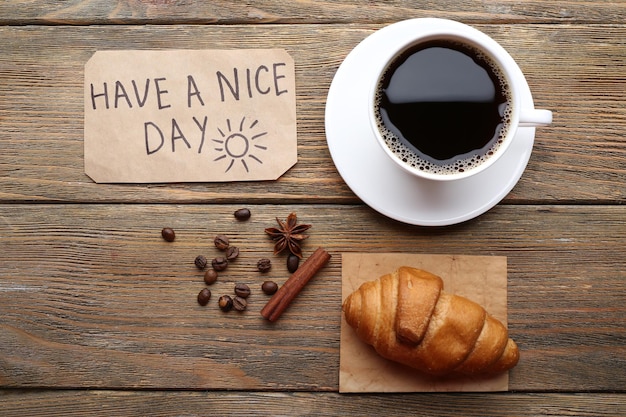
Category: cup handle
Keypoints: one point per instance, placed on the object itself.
(534, 118)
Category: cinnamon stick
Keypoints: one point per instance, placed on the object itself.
(296, 282)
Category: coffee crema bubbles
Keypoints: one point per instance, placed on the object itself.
(443, 107)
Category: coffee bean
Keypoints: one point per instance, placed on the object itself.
(264, 265)
(240, 303)
(292, 263)
(204, 296)
(210, 276)
(221, 242)
(242, 214)
(200, 262)
(232, 253)
(269, 287)
(242, 290)
(168, 234)
(225, 303)
(219, 264)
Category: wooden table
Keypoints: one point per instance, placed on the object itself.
(98, 315)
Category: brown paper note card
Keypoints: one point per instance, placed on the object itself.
(482, 279)
(189, 115)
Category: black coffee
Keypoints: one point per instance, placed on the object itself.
(443, 107)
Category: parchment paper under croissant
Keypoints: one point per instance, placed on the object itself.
(482, 279)
(408, 317)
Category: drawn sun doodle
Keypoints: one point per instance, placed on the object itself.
(237, 145)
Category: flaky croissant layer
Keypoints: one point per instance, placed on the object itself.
(408, 318)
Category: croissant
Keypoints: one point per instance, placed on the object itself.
(408, 318)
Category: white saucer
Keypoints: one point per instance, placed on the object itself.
(378, 181)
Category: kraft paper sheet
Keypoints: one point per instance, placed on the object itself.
(154, 116)
(482, 279)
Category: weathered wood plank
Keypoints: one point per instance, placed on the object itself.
(577, 71)
(168, 403)
(91, 296)
(85, 12)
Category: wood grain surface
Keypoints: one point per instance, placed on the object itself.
(577, 71)
(98, 314)
(85, 12)
(104, 403)
(93, 296)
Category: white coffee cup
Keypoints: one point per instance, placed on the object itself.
(418, 31)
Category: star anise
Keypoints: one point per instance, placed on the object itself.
(289, 235)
